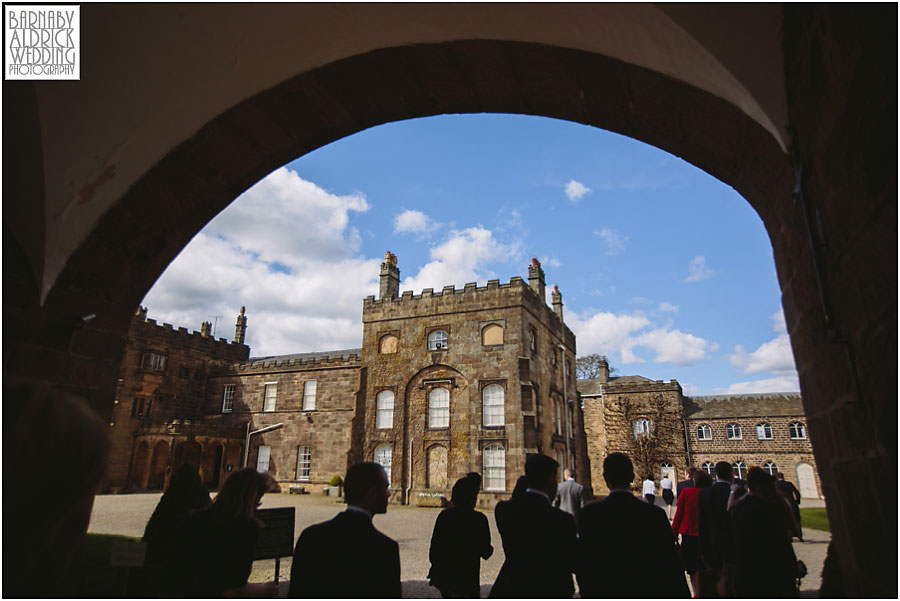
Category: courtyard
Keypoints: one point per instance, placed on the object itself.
(411, 527)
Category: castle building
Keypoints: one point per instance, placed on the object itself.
(445, 382)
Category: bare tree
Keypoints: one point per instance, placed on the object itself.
(589, 366)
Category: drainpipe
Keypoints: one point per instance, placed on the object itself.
(567, 403)
(687, 442)
(249, 434)
(409, 472)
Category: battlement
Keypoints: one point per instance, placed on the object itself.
(470, 288)
(349, 358)
(166, 334)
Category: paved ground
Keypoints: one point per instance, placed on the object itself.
(411, 527)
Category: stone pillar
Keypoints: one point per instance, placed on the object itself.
(389, 283)
(206, 329)
(240, 328)
(536, 278)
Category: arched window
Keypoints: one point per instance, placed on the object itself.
(798, 431)
(494, 464)
(733, 432)
(709, 468)
(770, 468)
(641, 426)
(704, 432)
(740, 470)
(558, 423)
(764, 431)
(383, 456)
(437, 340)
(492, 334)
(387, 344)
(667, 470)
(439, 408)
(384, 409)
(492, 405)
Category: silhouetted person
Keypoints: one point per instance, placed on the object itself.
(688, 483)
(166, 527)
(220, 541)
(626, 547)
(538, 539)
(648, 489)
(46, 515)
(346, 557)
(569, 495)
(714, 527)
(685, 524)
(460, 540)
(764, 562)
(790, 492)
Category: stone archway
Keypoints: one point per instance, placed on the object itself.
(158, 466)
(140, 466)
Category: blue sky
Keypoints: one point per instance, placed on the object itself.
(663, 268)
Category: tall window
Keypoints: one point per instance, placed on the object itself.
(704, 432)
(570, 412)
(383, 456)
(494, 462)
(439, 408)
(228, 399)
(437, 340)
(740, 470)
(733, 432)
(641, 426)
(532, 340)
(153, 362)
(140, 407)
(303, 461)
(492, 405)
(271, 393)
(709, 468)
(797, 430)
(384, 409)
(557, 425)
(262, 459)
(770, 468)
(764, 431)
(309, 395)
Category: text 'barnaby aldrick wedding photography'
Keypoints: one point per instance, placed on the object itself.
(42, 42)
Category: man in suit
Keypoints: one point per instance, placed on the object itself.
(689, 483)
(626, 547)
(569, 495)
(714, 522)
(790, 492)
(346, 557)
(538, 539)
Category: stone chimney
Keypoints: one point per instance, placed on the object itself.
(603, 368)
(557, 303)
(240, 328)
(536, 278)
(206, 329)
(389, 284)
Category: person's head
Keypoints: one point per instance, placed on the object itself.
(701, 479)
(618, 471)
(779, 475)
(366, 486)
(649, 477)
(724, 471)
(690, 472)
(541, 473)
(464, 493)
(567, 473)
(185, 491)
(759, 482)
(241, 494)
(475, 479)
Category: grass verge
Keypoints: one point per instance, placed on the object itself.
(815, 518)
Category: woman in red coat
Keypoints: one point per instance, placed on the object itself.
(685, 524)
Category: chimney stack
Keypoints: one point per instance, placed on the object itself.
(240, 328)
(389, 284)
(141, 313)
(536, 278)
(206, 329)
(603, 366)
(557, 303)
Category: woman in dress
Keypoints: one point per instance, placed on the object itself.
(685, 524)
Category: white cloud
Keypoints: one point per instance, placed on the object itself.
(463, 257)
(774, 355)
(550, 262)
(782, 383)
(665, 307)
(690, 389)
(576, 190)
(623, 335)
(615, 242)
(778, 322)
(414, 222)
(697, 270)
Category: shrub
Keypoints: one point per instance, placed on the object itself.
(335, 481)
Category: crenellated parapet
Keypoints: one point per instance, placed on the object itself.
(166, 335)
(288, 363)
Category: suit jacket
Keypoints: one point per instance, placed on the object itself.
(627, 549)
(539, 542)
(460, 539)
(763, 546)
(789, 491)
(714, 527)
(570, 498)
(345, 557)
(682, 485)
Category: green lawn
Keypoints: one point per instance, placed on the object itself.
(815, 518)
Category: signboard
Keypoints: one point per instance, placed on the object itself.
(276, 538)
(127, 554)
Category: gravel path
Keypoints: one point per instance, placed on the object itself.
(411, 527)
